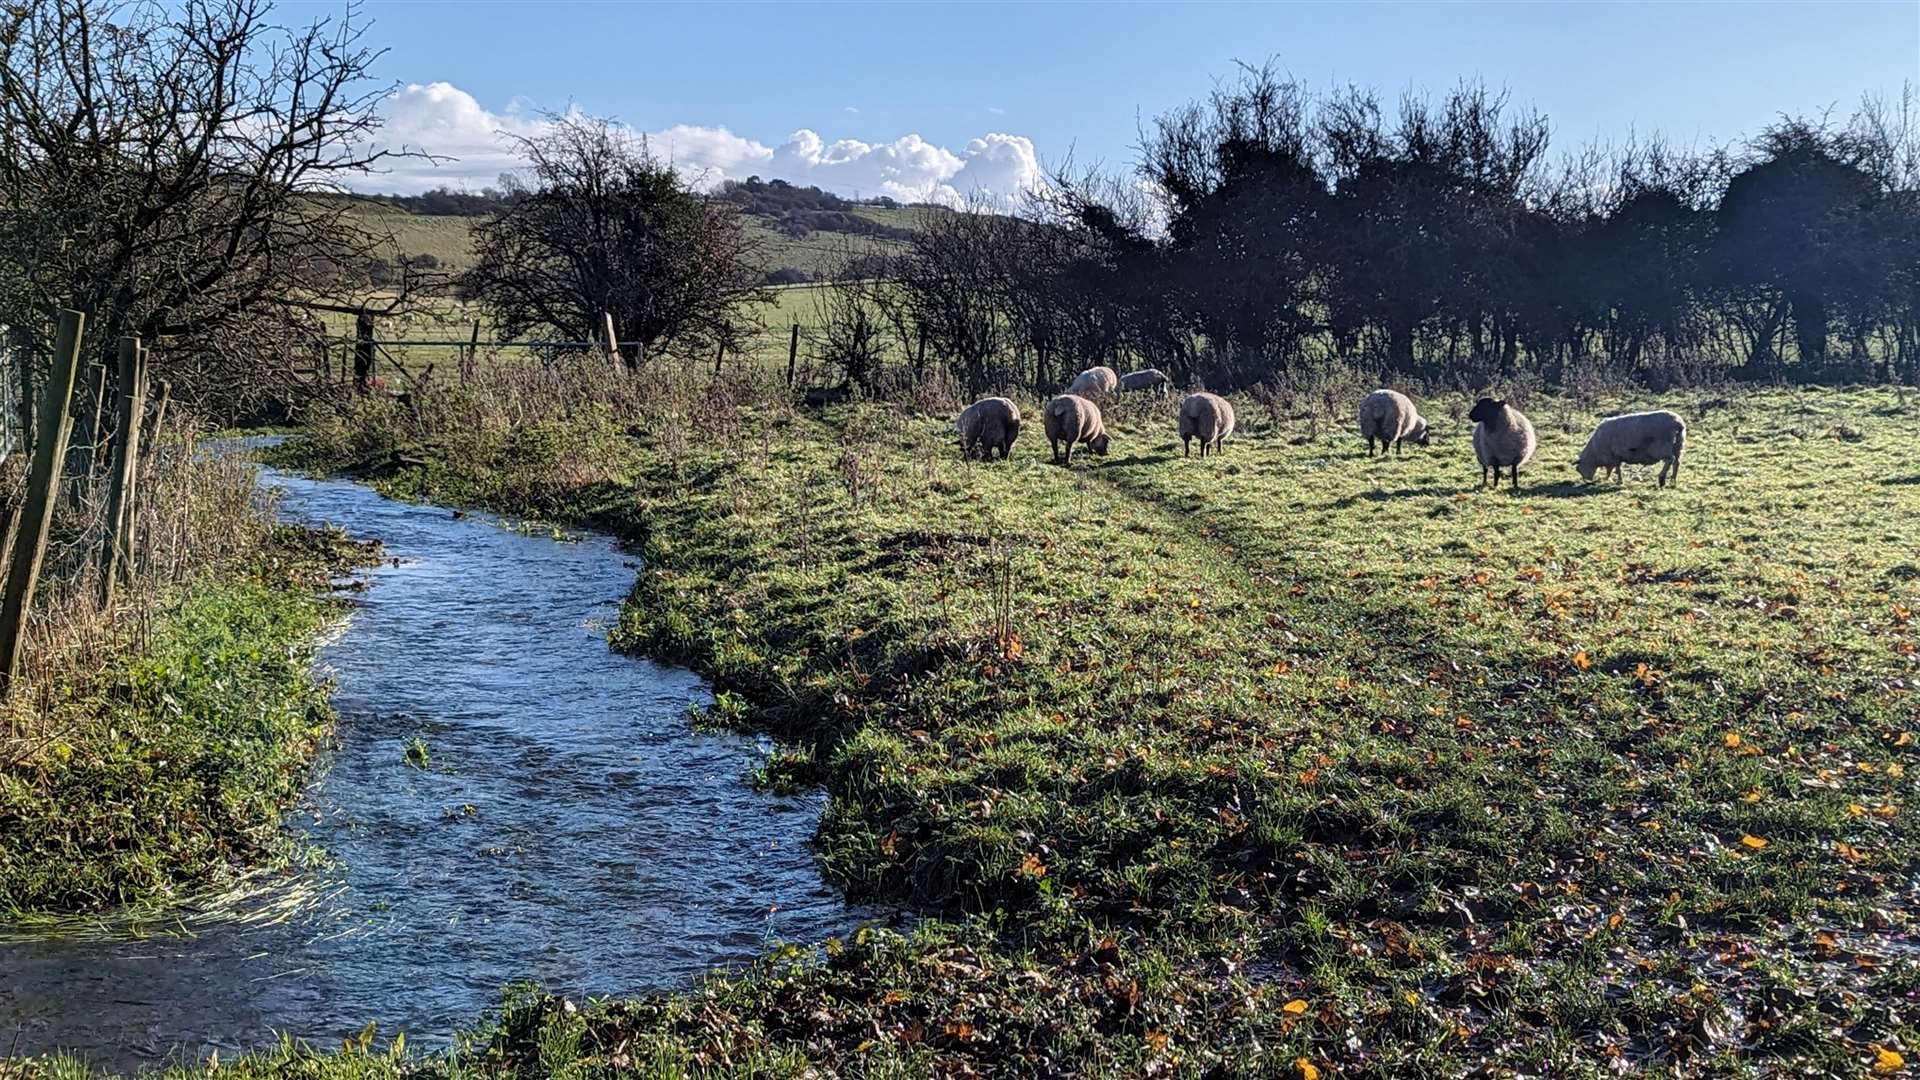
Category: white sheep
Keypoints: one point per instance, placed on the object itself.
(1389, 416)
(1207, 417)
(1072, 419)
(1093, 382)
(987, 425)
(1146, 379)
(1502, 436)
(1635, 439)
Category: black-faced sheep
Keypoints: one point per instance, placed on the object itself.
(1502, 437)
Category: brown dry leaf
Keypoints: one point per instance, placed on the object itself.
(1752, 841)
(1887, 1062)
(1731, 740)
(1157, 1041)
(1306, 1069)
(1032, 867)
(1295, 1007)
(1580, 660)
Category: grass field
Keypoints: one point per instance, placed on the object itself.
(448, 238)
(1285, 762)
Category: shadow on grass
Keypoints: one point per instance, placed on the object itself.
(1570, 489)
(1901, 481)
(1379, 495)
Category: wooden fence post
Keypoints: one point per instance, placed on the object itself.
(116, 562)
(363, 350)
(43, 490)
(472, 366)
(613, 340)
(793, 353)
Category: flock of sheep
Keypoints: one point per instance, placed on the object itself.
(1503, 437)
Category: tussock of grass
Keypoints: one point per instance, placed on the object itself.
(1560, 781)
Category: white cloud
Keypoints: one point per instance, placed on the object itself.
(445, 121)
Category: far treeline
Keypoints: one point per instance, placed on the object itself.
(1267, 227)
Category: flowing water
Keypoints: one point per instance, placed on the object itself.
(571, 827)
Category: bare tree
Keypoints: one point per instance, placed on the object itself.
(173, 170)
(598, 226)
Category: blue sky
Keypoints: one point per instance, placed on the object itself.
(1078, 75)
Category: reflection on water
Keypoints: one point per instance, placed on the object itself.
(570, 828)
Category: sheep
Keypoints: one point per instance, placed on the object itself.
(1207, 417)
(1072, 419)
(1146, 379)
(1502, 436)
(1093, 382)
(1635, 439)
(1389, 415)
(987, 425)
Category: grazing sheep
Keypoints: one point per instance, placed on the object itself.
(1207, 417)
(987, 425)
(1072, 419)
(1502, 436)
(1093, 382)
(1635, 439)
(1146, 379)
(1389, 415)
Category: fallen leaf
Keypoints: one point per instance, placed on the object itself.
(1306, 1069)
(1754, 842)
(1580, 660)
(1886, 1062)
(1294, 1007)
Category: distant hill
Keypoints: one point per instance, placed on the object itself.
(801, 231)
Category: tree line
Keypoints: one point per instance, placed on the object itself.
(1265, 228)
(178, 171)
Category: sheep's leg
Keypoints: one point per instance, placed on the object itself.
(1483, 476)
(1513, 477)
(1069, 451)
(1186, 446)
(1397, 443)
(1055, 444)
(1369, 446)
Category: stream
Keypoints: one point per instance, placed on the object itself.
(570, 828)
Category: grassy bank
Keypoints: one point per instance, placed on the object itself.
(1287, 762)
(162, 773)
